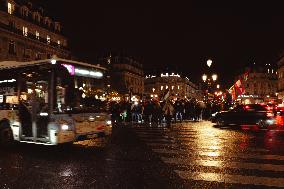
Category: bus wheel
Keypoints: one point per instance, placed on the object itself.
(6, 135)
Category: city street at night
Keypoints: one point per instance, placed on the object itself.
(189, 155)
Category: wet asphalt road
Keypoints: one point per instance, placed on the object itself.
(190, 155)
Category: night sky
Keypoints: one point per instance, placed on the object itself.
(181, 36)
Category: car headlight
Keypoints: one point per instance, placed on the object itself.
(108, 122)
(213, 115)
(270, 121)
(64, 127)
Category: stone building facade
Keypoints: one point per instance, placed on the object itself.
(261, 84)
(280, 75)
(27, 33)
(126, 75)
(180, 87)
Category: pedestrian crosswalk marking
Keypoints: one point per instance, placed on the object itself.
(232, 179)
(217, 154)
(182, 148)
(190, 146)
(223, 164)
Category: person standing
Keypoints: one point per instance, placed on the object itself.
(168, 110)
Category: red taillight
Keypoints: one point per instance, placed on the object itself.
(102, 127)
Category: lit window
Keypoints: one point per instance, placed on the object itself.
(162, 88)
(173, 87)
(37, 35)
(58, 42)
(178, 87)
(167, 87)
(11, 8)
(25, 31)
(48, 39)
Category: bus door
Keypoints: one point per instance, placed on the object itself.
(33, 88)
(43, 94)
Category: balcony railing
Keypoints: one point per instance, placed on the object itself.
(29, 18)
(31, 36)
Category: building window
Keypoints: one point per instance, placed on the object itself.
(11, 8)
(12, 24)
(58, 43)
(38, 56)
(48, 39)
(12, 47)
(37, 35)
(25, 31)
(27, 53)
(24, 12)
(36, 18)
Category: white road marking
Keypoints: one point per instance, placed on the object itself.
(193, 146)
(217, 154)
(223, 164)
(232, 179)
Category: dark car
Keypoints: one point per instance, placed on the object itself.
(249, 115)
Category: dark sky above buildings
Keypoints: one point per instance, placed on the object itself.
(176, 35)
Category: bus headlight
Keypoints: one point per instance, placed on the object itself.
(108, 122)
(64, 127)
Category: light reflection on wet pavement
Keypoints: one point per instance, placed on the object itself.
(190, 155)
(204, 155)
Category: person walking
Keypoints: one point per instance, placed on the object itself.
(168, 110)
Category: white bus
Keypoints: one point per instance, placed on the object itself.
(51, 102)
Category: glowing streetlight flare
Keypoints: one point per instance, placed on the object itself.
(204, 77)
(214, 77)
(209, 62)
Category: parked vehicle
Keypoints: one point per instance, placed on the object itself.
(249, 115)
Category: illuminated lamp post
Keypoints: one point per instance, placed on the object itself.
(208, 79)
(53, 59)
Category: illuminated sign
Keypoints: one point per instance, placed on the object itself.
(8, 81)
(172, 75)
(70, 68)
(86, 73)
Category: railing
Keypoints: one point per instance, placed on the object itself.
(31, 36)
(29, 18)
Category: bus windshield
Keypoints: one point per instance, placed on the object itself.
(51, 89)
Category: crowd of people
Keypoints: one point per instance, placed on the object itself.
(162, 112)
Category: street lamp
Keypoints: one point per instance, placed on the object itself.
(53, 59)
(209, 62)
(204, 77)
(214, 77)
